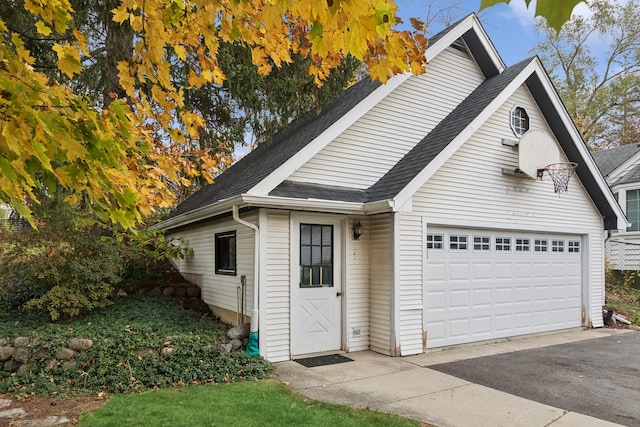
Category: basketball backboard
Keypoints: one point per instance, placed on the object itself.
(536, 149)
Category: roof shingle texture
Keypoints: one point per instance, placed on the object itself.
(609, 160)
(259, 163)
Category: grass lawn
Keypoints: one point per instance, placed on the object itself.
(253, 403)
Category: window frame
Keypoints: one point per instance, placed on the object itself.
(461, 242)
(226, 255)
(481, 243)
(433, 243)
(635, 221)
(519, 120)
(573, 246)
(502, 244)
(522, 244)
(541, 245)
(322, 265)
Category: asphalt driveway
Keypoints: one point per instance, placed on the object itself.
(597, 377)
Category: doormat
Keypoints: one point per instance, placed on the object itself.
(329, 359)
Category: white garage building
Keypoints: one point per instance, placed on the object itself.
(409, 215)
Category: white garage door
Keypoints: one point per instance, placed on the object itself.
(487, 284)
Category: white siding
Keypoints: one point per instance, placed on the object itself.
(277, 286)
(217, 289)
(357, 287)
(411, 283)
(372, 145)
(380, 273)
(470, 190)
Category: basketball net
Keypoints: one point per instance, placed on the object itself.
(560, 174)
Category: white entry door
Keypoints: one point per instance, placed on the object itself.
(316, 286)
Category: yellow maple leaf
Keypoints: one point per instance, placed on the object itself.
(43, 28)
(68, 59)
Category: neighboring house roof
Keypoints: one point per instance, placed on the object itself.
(630, 177)
(611, 159)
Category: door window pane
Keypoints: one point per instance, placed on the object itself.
(316, 255)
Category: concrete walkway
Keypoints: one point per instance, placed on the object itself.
(406, 386)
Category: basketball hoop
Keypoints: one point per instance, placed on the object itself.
(560, 174)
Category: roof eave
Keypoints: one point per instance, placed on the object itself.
(274, 202)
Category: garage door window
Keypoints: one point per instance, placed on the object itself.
(458, 242)
(540, 245)
(557, 246)
(574, 246)
(503, 243)
(435, 241)
(481, 243)
(523, 245)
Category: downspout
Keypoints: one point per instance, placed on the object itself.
(252, 344)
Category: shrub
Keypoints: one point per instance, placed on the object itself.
(66, 272)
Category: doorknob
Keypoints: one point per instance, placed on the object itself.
(338, 294)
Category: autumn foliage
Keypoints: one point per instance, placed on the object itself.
(123, 158)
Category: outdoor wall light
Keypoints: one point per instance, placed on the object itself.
(357, 230)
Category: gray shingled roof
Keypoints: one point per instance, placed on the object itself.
(421, 155)
(609, 160)
(259, 163)
(632, 176)
(431, 145)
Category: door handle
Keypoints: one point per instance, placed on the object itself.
(338, 294)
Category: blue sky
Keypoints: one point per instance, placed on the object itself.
(510, 27)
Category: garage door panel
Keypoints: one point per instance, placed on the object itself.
(475, 294)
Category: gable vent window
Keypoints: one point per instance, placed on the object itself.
(226, 253)
(519, 121)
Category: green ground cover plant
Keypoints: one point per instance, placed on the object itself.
(253, 403)
(118, 331)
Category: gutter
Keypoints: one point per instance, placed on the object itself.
(275, 202)
(255, 313)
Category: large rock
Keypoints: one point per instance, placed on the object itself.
(6, 353)
(11, 366)
(21, 342)
(65, 354)
(236, 344)
(180, 292)
(22, 354)
(13, 413)
(167, 351)
(45, 422)
(168, 291)
(80, 344)
(193, 292)
(239, 332)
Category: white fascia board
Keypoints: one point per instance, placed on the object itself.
(197, 214)
(316, 205)
(622, 168)
(275, 178)
(470, 22)
(580, 145)
(419, 180)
